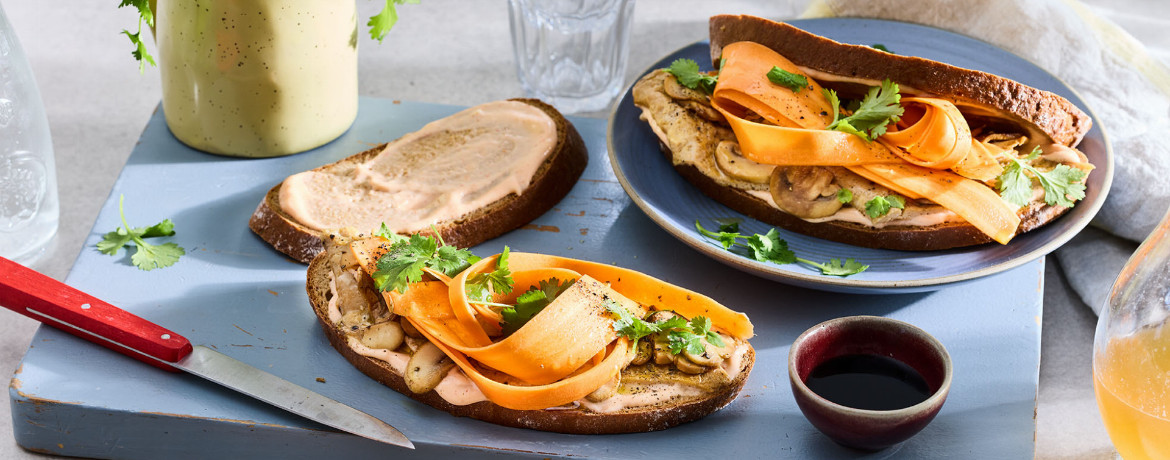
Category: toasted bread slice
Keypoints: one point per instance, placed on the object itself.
(552, 180)
(690, 133)
(715, 388)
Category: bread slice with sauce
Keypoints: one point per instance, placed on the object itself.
(359, 316)
(281, 224)
(691, 132)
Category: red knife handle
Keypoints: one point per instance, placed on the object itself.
(52, 302)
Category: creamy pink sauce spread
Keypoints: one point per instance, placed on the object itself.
(445, 170)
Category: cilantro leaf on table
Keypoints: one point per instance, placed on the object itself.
(880, 107)
(688, 75)
(769, 247)
(879, 206)
(1062, 185)
(381, 23)
(792, 81)
(403, 264)
(532, 302)
(146, 256)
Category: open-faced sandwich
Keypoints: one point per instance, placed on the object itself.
(471, 176)
(859, 145)
(528, 340)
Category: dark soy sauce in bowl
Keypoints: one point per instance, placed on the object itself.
(869, 382)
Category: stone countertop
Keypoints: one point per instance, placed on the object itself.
(98, 103)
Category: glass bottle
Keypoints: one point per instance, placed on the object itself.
(1131, 352)
(28, 177)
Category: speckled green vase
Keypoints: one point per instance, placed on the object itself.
(257, 78)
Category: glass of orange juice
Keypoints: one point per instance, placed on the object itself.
(1131, 352)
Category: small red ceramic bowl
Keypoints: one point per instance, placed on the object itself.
(869, 335)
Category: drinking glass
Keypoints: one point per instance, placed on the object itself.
(1131, 352)
(28, 174)
(571, 53)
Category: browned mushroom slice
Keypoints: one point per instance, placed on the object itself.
(805, 191)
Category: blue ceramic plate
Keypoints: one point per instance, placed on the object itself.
(674, 204)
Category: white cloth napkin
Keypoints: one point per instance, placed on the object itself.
(1127, 88)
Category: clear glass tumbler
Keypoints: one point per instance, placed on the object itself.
(28, 174)
(571, 53)
(1131, 352)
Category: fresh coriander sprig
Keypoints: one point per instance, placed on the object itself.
(146, 256)
(381, 23)
(1062, 185)
(680, 334)
(403, 264)
(482, 286)
(532, 302)
(688, 75)
(880, 107)
(769, 247)
(792, 81)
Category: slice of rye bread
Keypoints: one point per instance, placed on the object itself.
(551, 182)
(1041, 112)
(572, 421)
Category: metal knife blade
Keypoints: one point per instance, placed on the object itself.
(57, 304)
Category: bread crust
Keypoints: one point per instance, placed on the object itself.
(551, 182)
(1053, 115)
(571, 421)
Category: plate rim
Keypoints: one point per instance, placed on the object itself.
(818, 281)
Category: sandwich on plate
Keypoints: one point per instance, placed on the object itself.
(862, 146)
(470, 177)
(528, 340)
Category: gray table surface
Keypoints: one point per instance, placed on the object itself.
(98, 103)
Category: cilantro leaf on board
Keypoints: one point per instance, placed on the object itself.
(146, 256)
(1062, 185)
(381, 23)
(879, 206)
(880, 107)
(792, 81)
(688, 75)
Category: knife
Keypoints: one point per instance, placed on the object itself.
(52, 302)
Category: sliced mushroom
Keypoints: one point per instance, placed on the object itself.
(662, 354)
(805, 191)
(732, 162)
(426, 368)
(644, 351)
(386, 336)
(690, 367)
(708, 358)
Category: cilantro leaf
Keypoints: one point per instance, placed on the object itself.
(792, 81)
(146, 256)
(145, 14)
(388, 234)
(1062, 185)
(403, 264)
(836, 268)
(880, 107)
(879, 46)
(381, 23)
(532, 302)
(688, 75)
(728, 224)
(627, 325)
(482, 286)
(879, 206)
(844, 195)
(769, 247)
